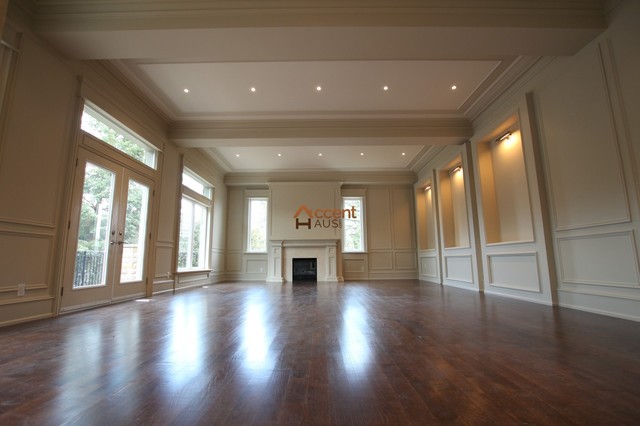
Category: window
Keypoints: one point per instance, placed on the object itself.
(194, 222)
(353, 238)
(257, 226)
(109, 131)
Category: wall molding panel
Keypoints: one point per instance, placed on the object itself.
(604, 259)
(581, 198)
(459, 268)
(514, 271)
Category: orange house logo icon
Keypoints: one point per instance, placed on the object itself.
(322, 218)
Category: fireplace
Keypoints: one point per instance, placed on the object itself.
(305, 269)
(282, 252)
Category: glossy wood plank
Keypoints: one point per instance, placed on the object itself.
(393, 352)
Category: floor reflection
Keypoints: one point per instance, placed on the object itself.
(256, 339)
(354, 340)
(185, 352)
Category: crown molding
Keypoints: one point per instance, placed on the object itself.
(424, 157)
(510, 76)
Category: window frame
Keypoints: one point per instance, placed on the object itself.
(362, 220)
(204, 201)
(248, 249)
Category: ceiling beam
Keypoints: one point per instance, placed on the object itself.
(318, 132)
(111, 15)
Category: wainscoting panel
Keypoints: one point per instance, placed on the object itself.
(234, 262)
(381, 261)
(164, 260)
(24, 259)
(601, 259)
(514, 271)
(256, 266)
(459, 268)
(405, 260)
(429, 267)
(355, 265)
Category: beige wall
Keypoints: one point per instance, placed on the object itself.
(587, 117)
(33, 167)
(391, 233)
(572, 239)
(389, 219)
(288, 197)
(3, 13)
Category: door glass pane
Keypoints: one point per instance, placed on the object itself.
(135, 230)
(95, 223)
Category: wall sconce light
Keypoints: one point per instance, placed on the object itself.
(456, 169)
(427, 188)
(506, 136)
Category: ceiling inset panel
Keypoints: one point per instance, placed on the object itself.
(291, 87)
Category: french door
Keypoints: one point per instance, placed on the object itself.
(108, 234)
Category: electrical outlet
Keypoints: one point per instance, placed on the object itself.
(22, 288)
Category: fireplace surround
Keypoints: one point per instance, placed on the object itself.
(282, 253)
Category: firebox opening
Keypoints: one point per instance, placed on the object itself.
(305, 269)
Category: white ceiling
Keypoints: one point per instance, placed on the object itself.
(352, 48)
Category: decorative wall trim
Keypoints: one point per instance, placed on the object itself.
(447, 268)
(26, 299)
(27, 223)
(594, 236)
(535, 264)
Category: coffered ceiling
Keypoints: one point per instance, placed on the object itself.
(252, 69)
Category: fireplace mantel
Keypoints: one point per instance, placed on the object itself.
(282, 253)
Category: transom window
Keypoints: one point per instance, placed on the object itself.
(108, 130)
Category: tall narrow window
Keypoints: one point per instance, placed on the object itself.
(257, 226)
(353, 238)
(105, 128)
(194, 222)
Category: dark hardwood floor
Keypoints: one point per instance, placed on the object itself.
(395, 352)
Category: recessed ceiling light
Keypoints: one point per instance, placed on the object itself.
(320, 155)
(186, 90)
(454, 87)
(237, 155)
(404, 153)
(253, 89)
(362, 153)
(318, 88)
(279, 155)
(385, 88)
